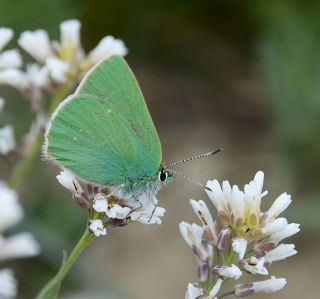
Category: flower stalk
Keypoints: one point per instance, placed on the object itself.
(51, 289)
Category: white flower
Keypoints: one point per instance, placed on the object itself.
(14, 78)
(290, 230)
(10, 59)
(254, 265)
(70, 38)
(279, 205)
(280, 253)
(203, 213)
(266, 286)
(219, 196)
(239, 245)
(38, 75)
(238, 209)
(275, 226)
(107, 47)
(36, 43)
(194, 291)
(144, 214)
(112, 210)
(8, 284)
(65, 60)
(67, 179)
(2, 103)
(228, 271)
(11, 211)
(96, 226)
(7, 140)
(253, 194)
(6, 35)
(223, 239)
(192, 234)
(58, 69)
(216, 288)
(18, 246)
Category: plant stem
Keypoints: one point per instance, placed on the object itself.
(51, 289)
(226, 294)
(25, 164)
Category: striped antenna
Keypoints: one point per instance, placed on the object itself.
(195, 157)
(186, 177)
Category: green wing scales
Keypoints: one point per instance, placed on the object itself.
(104, 133)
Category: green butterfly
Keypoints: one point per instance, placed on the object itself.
(104, 134)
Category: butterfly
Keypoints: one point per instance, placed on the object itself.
(104, 134)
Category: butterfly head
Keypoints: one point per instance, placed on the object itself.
(164, 176)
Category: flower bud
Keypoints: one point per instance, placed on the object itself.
(266, 286)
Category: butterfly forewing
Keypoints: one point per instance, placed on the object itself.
(104, 132)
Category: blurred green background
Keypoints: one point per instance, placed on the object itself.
(242, 75)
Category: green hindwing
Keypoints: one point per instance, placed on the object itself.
(104, 133)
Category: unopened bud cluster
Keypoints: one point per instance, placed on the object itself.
(246, 240)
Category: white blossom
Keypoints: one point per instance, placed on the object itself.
(290, 230)
(97, 227)
(57, 69)
(19, 245)
(281, 252)
(219, 197)
(107, 47)
(65, 60)
(194, 291)
(112, 210)
(70, 38)
(68, 180)
(228, 271)
(13, 77)
(8, 284)
(273, 227)
(203, 213)
(11, 211)
(192, 233)
(279, 205)
(144, 214)
(10, 59)
(254, 265)
(7, 140)
(6, 35)
(266, 286)
(239, 245)
(36, 43)
(253, 194)
(38, 75)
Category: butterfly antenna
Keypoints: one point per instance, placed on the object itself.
(186, 177)
(196, 157)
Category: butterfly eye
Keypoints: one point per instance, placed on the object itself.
(163, 175)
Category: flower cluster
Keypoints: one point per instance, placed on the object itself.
(105, 209)
(17, 246)
(248, 241)
(57, 63)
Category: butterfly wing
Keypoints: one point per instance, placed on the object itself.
(104, 133)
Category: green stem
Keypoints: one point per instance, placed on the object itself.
(25, 165)
(51, 289)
